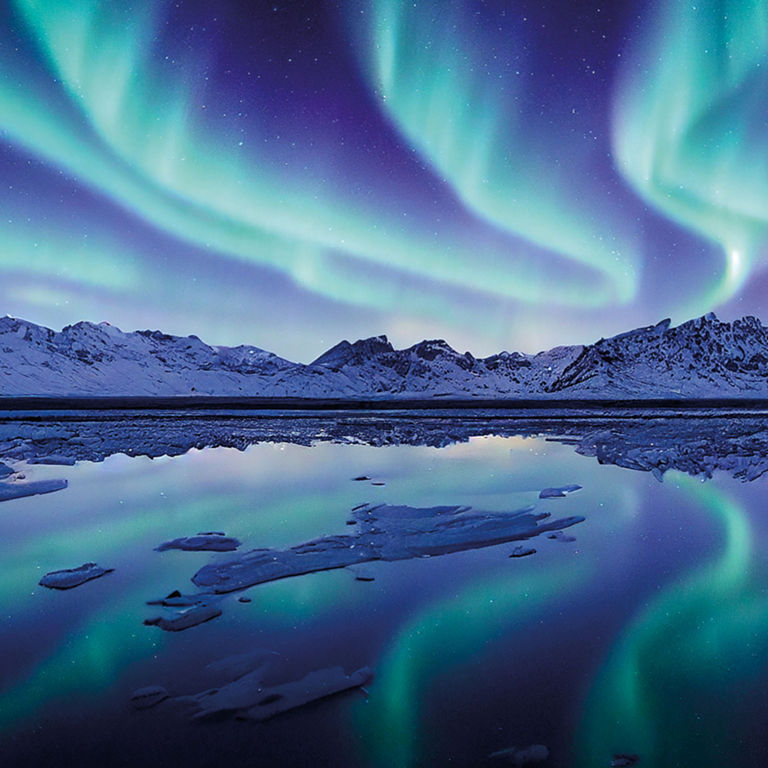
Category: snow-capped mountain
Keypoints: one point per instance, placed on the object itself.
(701, 358)
(101, 360)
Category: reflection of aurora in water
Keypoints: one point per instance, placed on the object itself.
(684, 662)
(443, 637)
(442, 634)
(106, 631)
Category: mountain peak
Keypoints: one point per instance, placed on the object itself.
(345, 353)
(429, 349)
(703, 357)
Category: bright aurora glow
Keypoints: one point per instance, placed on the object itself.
(501, 175)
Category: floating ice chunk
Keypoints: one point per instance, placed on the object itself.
(144, 698)
(312, 687)
(560, 536)
(522, 551)
(63, 461)
(10, 491)
(176, 600)
(536, 753)
(558, 493)
(623, 760)
(73, 577)
(382, 532)
(240, 694)
(198, 614)
(248, 697)
(213, 541)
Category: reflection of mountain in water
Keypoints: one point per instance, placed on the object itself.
(736, 443)
(738, 446)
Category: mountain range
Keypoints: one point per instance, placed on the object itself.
(701, 358)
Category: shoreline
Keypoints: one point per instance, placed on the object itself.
(193, 403)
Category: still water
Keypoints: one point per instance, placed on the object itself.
(647, 635)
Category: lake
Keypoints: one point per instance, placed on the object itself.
(640, 630)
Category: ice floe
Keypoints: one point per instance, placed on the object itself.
(382, 532)
(62, 461)
(176, 600)
(312, 687)
(536, 753)
(73, 577)
(560, 536)
(522, 551)
(190, 617)
(244, 694)
(623, 760)
(144, 698)
(212, 541)
(250, 699)
(558, 493)
(14, 490)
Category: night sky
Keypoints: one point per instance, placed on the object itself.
(501, 174)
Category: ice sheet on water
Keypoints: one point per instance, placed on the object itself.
(245, 694)
(250, 699)
(519, 756)
(73, 577)
(212, 541)
(558, 493)
(55, 460)
(382, 532)
(191, 617)
(9, 490)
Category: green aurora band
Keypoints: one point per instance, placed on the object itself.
(104, 96)
(689, 126)
(93, 112)
(521, 174)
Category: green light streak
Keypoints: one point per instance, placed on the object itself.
(178, 169)
(99, 649)
(689, 126)
(450, 632)
(663, 689)
(457, 103)
(48, 252)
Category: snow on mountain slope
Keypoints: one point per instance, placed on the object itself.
(433, 368)
(89, 359)
(701, 358)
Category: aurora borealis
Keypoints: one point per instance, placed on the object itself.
(503, 175)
